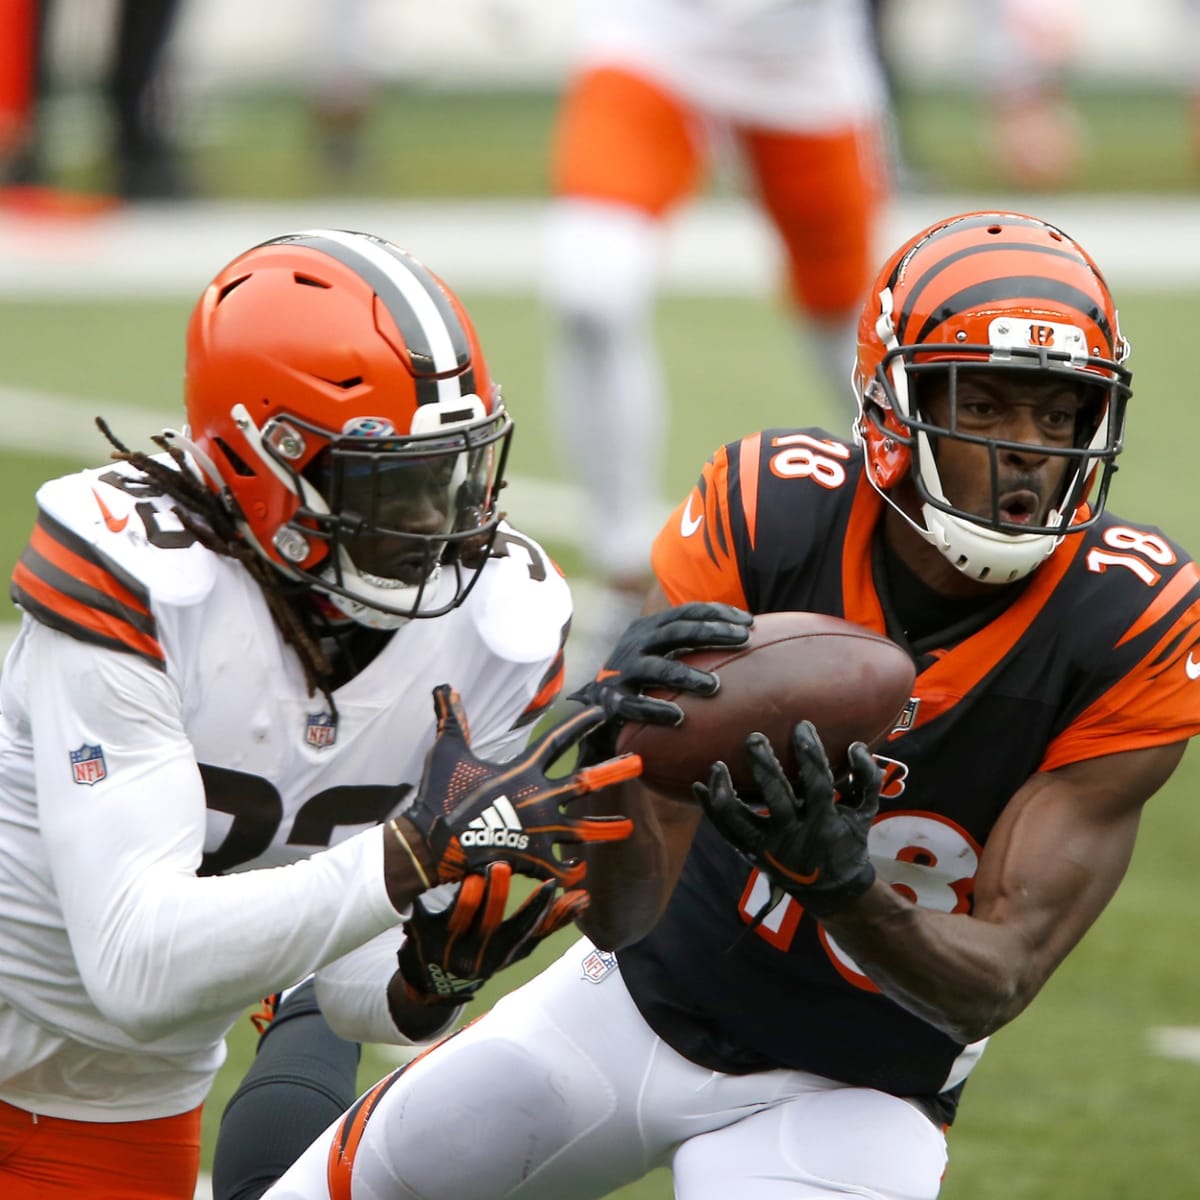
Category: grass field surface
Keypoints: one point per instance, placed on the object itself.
(421, 141)
(1074, 1101)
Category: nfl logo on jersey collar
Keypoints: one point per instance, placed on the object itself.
(87, 764)
(908, 714)
(320, 730)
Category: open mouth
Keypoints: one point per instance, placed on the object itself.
(1020, 507)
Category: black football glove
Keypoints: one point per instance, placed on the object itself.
(472, 812)
(807, 843)
(641, 659)
(449, 955)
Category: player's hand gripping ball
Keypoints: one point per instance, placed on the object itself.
(850, 682)
(806, 838)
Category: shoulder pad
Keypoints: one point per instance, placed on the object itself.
(105, 555)
(521, 603)
(132, 523)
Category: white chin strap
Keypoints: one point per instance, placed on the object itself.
(368, 595)
(985, 554)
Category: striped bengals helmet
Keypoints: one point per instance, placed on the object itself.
(337, 397)
(1002, 292)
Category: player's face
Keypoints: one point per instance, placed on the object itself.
(391, 500)
(1033, 416)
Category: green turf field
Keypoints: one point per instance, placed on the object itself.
(422, 142)
(425, 142)
(1069, 1103)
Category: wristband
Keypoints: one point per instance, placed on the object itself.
(416, 862)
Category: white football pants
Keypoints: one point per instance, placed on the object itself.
(562, 1092)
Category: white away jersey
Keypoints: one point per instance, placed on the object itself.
(803, 65)
(157, 741)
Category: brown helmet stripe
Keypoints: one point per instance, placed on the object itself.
(390, 286)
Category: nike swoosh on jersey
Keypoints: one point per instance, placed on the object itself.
(116, 524)
(67, 583)
(605, 673)
(1191, 667)
(687, 523)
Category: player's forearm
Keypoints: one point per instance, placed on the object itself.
(166, 948)
(363, 997)
(630, 882)
(960, 974)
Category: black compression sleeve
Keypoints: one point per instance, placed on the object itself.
(302, 1078)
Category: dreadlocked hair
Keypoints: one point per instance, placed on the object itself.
(203, 514)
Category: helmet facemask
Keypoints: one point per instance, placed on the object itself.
(405, 522)
(988, 546)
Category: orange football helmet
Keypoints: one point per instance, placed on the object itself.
(338, 399)
(994, 291)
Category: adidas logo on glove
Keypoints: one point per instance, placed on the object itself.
(498, 825)
(447, 984)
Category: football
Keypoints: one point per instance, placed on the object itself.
(850, 682)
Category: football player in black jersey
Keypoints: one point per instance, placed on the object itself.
(781, 994)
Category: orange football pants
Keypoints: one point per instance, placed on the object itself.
(47, 1158)
(622, 138)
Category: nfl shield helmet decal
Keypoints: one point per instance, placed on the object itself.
(87, 764)
(320, 730)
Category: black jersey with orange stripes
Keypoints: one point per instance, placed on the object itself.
(1097, 652)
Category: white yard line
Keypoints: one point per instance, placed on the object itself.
(1176, 1041)
(714, 247)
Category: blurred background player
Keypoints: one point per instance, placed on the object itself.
(658, 89)
(18, 45)
(1028, 49)
(344, 85)
(144, 162)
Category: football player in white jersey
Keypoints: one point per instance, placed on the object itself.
(230, 755)
(793, 91)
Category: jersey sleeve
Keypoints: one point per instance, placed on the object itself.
(121, 808)
(694, 556)
(106, 554)
(1157, 701)
(352, 993)
(69, 584)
